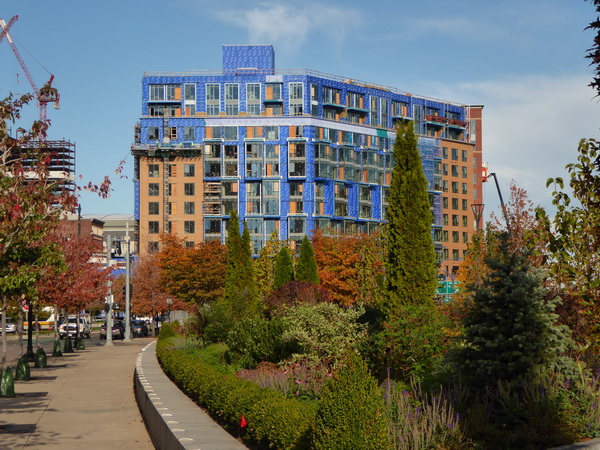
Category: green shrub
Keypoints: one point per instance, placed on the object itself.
(252, 341)
(167, 330)
(323, 332)
(351, 414)
(272, 419)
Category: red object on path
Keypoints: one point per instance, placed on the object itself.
(243, 422)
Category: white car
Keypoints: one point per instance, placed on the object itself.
(85, 329)
(11, 327)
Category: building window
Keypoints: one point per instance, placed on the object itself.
(189, 91)
(454, 220)
(464, 204)
(454, 154)
(445, 217)
(445, 202)
(465, 237)
(153, 170)
(212, 99)
(464, 172)
(189, 226)
(455, 187)
(153, 208)
(153, 189)
(153, 247)
(465, 221)
(189, 170)
(454, 170)
(230, 133)
(232, 99)
(445, 152)
(189, 133)
(455, 254)
(189, 208)
(454, 203)
(374, 111)
(273, 91)
(464, 155)
(272, 132)
(455, 237)
(153, 227)
(296, 99)
(253, 99)
(189, 189)
(153, 134)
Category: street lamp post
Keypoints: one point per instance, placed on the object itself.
(169, 303)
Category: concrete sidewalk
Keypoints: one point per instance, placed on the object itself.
(81, 400)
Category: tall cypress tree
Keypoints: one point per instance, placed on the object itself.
(411, 262)
(307, 264)
(241, 295)
(284, 268)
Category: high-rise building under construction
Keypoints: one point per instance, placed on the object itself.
(293, 151)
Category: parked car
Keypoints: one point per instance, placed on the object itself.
(139, 328)
(11, 327)
(118, 330)
(85, 328)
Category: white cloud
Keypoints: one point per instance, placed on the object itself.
(531, 128)
(289, 26)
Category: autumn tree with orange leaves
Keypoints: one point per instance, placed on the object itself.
(350, 266)
(81, 282)
(193, 275)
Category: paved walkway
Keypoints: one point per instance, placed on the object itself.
(82, 400)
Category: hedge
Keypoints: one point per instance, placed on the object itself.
(273, 419)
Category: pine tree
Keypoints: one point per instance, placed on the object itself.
(306, 269)
(411, 261)
(510, 330)
(284, 268)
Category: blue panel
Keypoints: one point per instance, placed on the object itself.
(261, 57)
(136, 206)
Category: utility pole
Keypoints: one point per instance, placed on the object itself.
(127, 288)
(109, 298)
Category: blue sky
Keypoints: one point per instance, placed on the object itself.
(522, 59)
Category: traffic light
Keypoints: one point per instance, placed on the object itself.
(124, 291)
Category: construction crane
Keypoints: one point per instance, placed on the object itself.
(47, 94)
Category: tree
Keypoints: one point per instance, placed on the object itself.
(31, 205)
(193, 275)
(574, 238)
(594, 51)
(351, 412)
(307, 269)
(264, 266)
(350, 266)
(241, 295)
(79, 282)
(284, 268)
(410, 267)
(149, 298)
(510, 332)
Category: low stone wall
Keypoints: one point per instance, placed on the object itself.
(173, 420)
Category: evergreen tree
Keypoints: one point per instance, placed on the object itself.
(509, 331)
(351, 412)
(306, 269)
(284, 268)
(241, 295)
(265, 265)
(411, 261)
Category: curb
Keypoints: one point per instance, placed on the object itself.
(173, 420)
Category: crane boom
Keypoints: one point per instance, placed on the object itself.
(49, 94)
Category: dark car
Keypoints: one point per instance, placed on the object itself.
(118, 330)
(139, 328)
